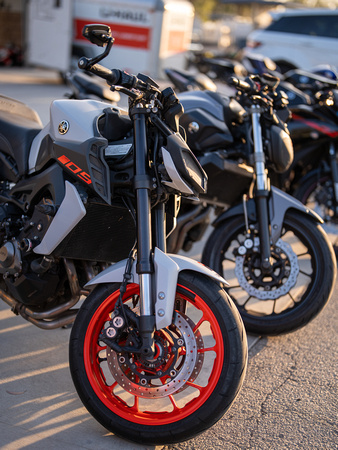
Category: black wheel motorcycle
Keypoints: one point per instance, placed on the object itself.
(313, 174)
(271, 248)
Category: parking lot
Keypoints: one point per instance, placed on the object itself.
(289, 398)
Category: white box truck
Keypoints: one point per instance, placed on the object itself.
(149, 34)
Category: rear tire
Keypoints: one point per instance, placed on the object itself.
(175, 397)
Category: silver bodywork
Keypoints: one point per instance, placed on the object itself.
(81, 115)
(71, 211)
(167, 268)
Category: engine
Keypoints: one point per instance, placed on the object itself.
(29, 278)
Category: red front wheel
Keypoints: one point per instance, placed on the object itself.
(193, 378)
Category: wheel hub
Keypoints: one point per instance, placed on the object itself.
(175, 361)
(277, 282)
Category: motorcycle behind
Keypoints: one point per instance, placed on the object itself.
(272, 249)
(313, 174)
(158, 351)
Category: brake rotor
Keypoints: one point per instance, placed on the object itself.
(176, 360)
(270, 286)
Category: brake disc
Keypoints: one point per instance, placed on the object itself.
(170, 369)
(286, 272)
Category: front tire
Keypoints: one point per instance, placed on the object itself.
(297, 289)
(193, 380)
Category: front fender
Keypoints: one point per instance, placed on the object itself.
(279, 203)
(167, 268)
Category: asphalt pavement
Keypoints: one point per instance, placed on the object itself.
(288, 401)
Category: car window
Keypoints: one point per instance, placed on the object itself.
(321, 25)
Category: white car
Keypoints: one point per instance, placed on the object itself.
(298, 39)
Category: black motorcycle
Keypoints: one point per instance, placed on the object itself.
(158, 351)
(312, 177)
(314, 180)
(278, 260)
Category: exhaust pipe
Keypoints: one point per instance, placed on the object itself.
(56, 317)
(48, 320)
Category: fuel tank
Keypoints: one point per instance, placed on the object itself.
(207, 119)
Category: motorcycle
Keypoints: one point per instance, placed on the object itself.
(11, 55)
(278, 260)
(84, 86)
(157, 351)
(186, 81)
(312, 176)
(215, 66)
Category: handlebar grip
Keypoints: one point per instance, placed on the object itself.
(111, 76)
(126, 80)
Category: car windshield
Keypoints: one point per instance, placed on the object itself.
(321, 25)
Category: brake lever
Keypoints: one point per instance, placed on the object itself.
(135, 95)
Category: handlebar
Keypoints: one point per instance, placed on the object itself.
(255, 83)
(261, 89)
(114, 77)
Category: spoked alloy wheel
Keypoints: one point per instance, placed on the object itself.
(293, 292)
(192, 380)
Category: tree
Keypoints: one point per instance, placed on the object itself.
(204, 8)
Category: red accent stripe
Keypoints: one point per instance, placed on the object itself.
(124, 35)
(322, 128)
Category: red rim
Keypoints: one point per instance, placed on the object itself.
(132, 410)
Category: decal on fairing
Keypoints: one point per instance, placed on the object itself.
(75, 169)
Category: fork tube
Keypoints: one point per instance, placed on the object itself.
(334, 174)
(160, 227)
(142, 184)
(262, 191)
(261, 176)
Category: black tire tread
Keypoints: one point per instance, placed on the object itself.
(215, 406)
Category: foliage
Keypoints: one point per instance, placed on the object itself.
(204, 8)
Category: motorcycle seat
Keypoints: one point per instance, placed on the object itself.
(87, 87)
(19, 124)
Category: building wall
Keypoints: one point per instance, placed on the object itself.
(11, 22)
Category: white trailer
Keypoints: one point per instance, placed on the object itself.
(149, 34)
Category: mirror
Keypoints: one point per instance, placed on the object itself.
(97, 34)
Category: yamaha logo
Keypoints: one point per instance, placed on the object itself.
(193, 127)
(63, 127)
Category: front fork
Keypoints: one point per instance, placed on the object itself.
(334, 174)
(262, 189)
(145, 266)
